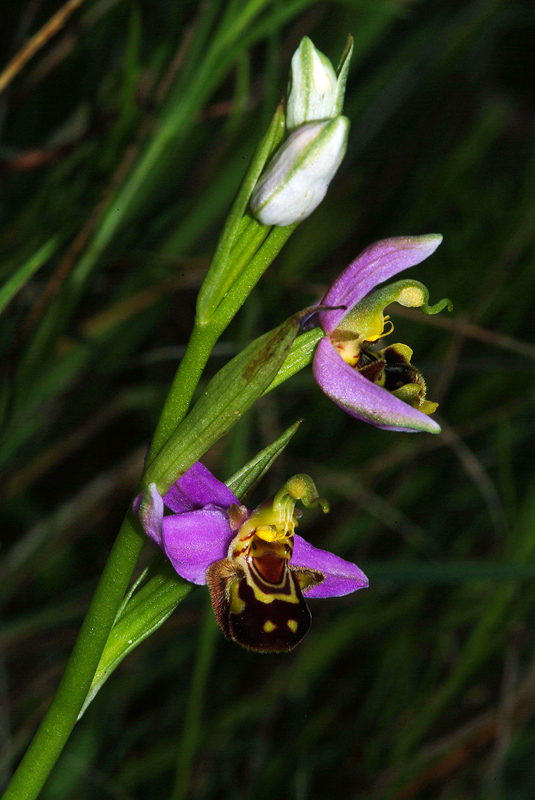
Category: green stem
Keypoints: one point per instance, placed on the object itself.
(190, 369)
(204, 337)
(249, 277)
(62, 714)
(61, 717)
(69, 699)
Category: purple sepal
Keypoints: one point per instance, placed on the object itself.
(195, 489)
(341, 576)
(363, 399)
(148, 505)
(195, 539)
(376, 264)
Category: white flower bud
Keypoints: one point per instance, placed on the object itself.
(312, 86)
(315, 92)
(299, 173)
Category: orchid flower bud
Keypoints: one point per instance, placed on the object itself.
(312, 86)
(299, 173)
(315, 91)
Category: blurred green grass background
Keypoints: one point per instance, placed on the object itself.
(123, 141)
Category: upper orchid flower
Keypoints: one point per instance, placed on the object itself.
(256, 568)
(378, 386)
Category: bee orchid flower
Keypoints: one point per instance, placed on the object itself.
(380, 386)
(258, 570)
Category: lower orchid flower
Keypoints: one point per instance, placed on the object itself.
(380, 386)
(257, 569)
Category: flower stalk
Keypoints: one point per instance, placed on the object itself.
(225, 284)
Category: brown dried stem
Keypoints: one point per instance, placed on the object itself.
(38, 40)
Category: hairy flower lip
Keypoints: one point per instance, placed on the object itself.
(351, 391)
(200, 533)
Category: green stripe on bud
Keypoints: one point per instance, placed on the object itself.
(312, 86)
(299, 173)
(315, 90)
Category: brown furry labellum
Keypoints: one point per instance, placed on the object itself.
(258, 598)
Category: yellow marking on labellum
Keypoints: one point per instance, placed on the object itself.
(267, 592)
(266, 610)
(267, 571)
(270, 620)
(257, 596)
(236, 604)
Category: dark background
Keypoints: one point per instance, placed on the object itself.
(123, 141)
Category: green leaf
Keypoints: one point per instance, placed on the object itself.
(245, 479)
(342, 73)
(299, 356)
(146, 610)
(228, 396)
(25, 271)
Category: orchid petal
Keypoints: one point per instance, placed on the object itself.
(341, 576)
(363, 399)
(148, 506)
(194, 540)
(195, 489)
(376, 264)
